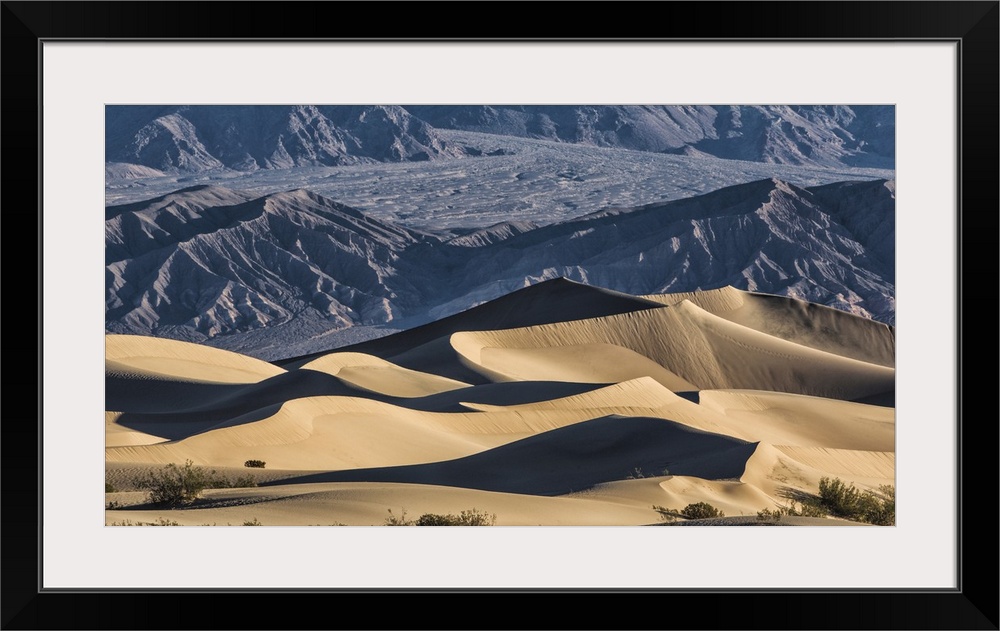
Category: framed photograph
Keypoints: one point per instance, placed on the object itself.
(449, 174)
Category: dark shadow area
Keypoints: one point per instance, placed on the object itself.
(526, 307)
(511, 393)
(796, 495)
(882, 399)
(572, 458)
(694, 396)
(179, 427)
(236, 405)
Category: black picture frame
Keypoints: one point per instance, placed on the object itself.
(972, 605)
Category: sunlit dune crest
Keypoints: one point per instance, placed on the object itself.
(625, 416)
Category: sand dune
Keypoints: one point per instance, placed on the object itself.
(368, 504)
(118, 435)
(789, 419)
(816, 326)
(158, 358)
(613, 448)
(699, 347)
(551, 301)
(589, 363)
(868, 468)
(346, 432)
(588, 411)
(372, 374)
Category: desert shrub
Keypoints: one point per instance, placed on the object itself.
(667, 515)
(109, 488)
(635, 474)
(392, 520)
(160, 521)
(472, 517)
(769, 515)
(475, 518)
(701, 510)
(879, 507)
(252, 522)
(839, 498)
(873, 507)
(812, 508)
(254, 464)
(239, 482)
(430, 519)
(174, 485)
(809, 507)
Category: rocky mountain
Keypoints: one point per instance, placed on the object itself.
(198, 138)
(206, 261)
(182, 269)
(125, 171)
(830, 245)
(815, 135)
(194, 138)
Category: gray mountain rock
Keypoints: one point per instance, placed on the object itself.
(196, 138)
(206, 261)
(828, 136)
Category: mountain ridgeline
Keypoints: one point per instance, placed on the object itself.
(143, 141)
(207, 261)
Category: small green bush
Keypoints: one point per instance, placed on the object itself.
(667, 515)
(879, 507)
(254, 464)
(635, 474)
(701, 510)
(392, 520)
(841, 500)
(252, 522)
(160, 521)
(472, 517)
(109, 488)
(812, 508)
(430, 519)
(846, 501)
(769, 515)
(175, 485)
(241, 482)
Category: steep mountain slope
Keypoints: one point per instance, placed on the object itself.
(248, 265)
(206, 261)
(832, 247)
(250, 137)
(196, 138)
(838, 135)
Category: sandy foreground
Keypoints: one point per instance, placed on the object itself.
(739, 400)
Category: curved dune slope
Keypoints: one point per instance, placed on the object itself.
(866, 466)
(373, 374)
(816, 326)
(177, 400)
(368, 504)
(345, 432)
(788, 419)
(117, 435)
(158, 358)
(699, 347)
(612, 447)
(550, 301)
(543, 413)
(335, 432)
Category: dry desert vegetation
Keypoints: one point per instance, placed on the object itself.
(719, 407)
